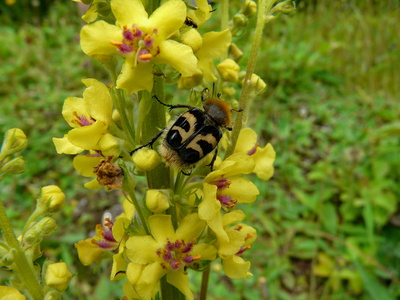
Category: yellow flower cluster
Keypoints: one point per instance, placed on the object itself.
(184, 221)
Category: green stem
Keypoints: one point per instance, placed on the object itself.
(263, 7)
(23, 268)
(169, 292)
(152, 122)
(204, 284)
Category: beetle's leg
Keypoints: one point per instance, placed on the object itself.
(204, 94)
(149, 143)
(211, 164)
(187, 174)
(170, 106)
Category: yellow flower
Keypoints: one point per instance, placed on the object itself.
(166, 252)
(90, 118)
(229, 70)
(141, 40)
(214, 45)
(58, 276)
(51, 199)
(263, 157)
(94, 249)
(223, 188)
(241, 237)
(10, 293)
(202, 13)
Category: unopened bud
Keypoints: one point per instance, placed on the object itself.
(51, 199)
(14, 141)
(14, 166)
(235, 52)
(58, 276)
(10, 293)
(52, 295)
(37, 232)
(257, 85)
(146, 159)
(6, 257)
(239, 22)
(193, 39)
(157, 200)
(249, 8)
(186, 83)
(229, 70)
(285, 7)
(109, 145)
(116, 116)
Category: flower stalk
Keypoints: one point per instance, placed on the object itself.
(264, 6)
(23, 268)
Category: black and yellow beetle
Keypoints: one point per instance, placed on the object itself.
(194, 134)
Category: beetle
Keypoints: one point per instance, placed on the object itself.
(195, 133)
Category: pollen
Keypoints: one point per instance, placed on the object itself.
(177, 254)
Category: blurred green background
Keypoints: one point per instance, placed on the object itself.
(328, 221)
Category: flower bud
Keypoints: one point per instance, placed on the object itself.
(14, 141)
(229, 70)
(157, 200)
(51, 199)
(14, 166)
(249, 8)
(10, 293)
(58, 276)
(6, 257)
(38, 231)
(52, 295)
(235, 52)
(239, 23)
(186, 83)
(285, 7)
(146, 159)
(257, 85)
(193, 39)
(109, 145)
(116, 116)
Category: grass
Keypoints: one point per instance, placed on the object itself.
(327, 222)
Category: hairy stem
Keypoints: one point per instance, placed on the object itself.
(23, 269)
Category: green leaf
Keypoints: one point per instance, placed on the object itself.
(374, 288)
(328, 217)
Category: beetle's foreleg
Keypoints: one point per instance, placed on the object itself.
(170, 106)
(152, 141)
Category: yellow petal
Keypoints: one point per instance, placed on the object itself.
(147, 285)
(190, 227)
(242, 190)
(71, 107)
(232, 245)
(93, 185)
(264, 158)
(207, 252)
(168, 18)
(63, 145)
(214, 44)
(247, 140)
(235, 267)
(88, 252)
(134, 272)
(129, 291)
(87, 137)
(128, 12)
(210, 206)
(10, 293)
(142, 249)
(119, 228)
(97, 100)
(181, 282)
(133, 79)
(109, 145)
(118, 267)
(161, 228)
(177, 55)
(233, 217)
(96, 37)
(84, 164)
